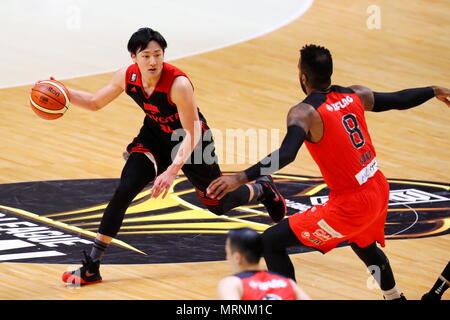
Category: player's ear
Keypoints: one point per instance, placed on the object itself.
(133, 57)
(304, 78)
(238, 258)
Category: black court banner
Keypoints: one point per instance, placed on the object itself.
(54, 221)
(213, 309)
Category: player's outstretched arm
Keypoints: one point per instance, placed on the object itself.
(182, 94)
(299, 121)
(400, 100)
(96, 101)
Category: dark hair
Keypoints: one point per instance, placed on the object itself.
(317, 64)
(141, 38)
(248, 242)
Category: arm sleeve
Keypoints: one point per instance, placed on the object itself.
(280, 158)
(401, 100)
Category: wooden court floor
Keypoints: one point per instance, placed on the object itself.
(256, 82)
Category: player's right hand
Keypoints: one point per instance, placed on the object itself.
(222, 185)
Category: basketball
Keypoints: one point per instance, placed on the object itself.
(49, 99)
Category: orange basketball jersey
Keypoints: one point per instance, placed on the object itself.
(265, 285)
(345, 154)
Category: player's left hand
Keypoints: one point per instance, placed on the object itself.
(222, 185)
(442, 94)
(162, 184)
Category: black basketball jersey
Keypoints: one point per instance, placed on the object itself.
(162, 116)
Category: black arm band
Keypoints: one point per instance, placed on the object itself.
(280, 158)
(401, 100)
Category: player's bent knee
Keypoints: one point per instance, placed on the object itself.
(370, 255)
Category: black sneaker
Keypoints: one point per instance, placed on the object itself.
(89, 273)
(272, 199)
(402, 298)
(430, 296)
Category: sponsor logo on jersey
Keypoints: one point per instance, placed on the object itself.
(54, 221)
(266, 285)
(151, 108)
(328, 229)
(341, 104)
(367, 172)
(172, 118)
(322, 235)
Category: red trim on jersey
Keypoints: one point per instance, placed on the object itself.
(168, 75)
(209, 202)
(168, 94)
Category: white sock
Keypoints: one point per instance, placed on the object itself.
(394, 293)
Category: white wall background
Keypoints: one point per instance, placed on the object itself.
(71, 38)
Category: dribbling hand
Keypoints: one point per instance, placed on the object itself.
(162, 184)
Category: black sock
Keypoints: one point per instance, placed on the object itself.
(372, 256)
(439, 287)
(98, 250)
(442, 283)
(257, 191)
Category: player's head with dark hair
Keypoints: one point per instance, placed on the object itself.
(247, 242)
(316, 67)
(146, 47)
(141, 38)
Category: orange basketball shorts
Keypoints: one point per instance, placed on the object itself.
(357, 216)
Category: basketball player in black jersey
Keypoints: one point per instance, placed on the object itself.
(173, 128)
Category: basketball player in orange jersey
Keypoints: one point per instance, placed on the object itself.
(243, 251)
(173, 128)
(332, 124)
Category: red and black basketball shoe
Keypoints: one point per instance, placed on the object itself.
(272, 199)
(88, 273)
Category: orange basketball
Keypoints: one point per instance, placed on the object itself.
(49, 99)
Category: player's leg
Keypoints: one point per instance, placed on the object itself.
(136, 174)
(276, 240)
(440, 286)
(263, 190)
(378, 264)
(203, 169)
(201, 175)
(138, 171)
